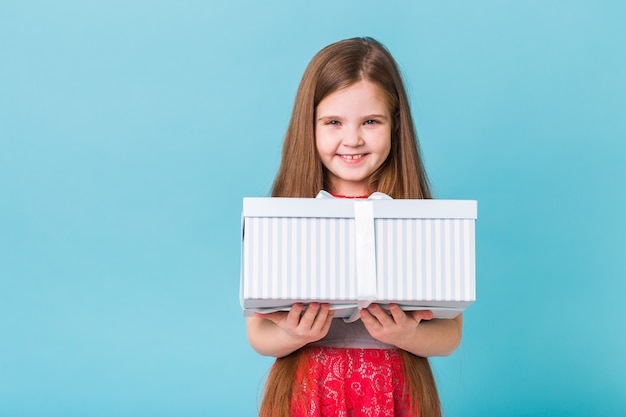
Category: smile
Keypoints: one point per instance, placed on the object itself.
(352, 157)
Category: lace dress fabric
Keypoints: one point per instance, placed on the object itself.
(348, 382)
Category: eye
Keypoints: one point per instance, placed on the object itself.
(371, 122)
(333, 122)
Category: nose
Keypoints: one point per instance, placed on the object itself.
(353, 137)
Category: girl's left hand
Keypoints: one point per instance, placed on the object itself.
(395, 326)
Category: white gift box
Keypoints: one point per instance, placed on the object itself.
(419, 254)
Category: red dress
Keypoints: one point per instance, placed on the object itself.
(350, 382)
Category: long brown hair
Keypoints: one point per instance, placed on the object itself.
(301, 174)
(339, 65)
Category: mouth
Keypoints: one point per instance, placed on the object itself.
(354, 157)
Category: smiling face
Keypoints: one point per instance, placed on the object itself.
(353, 136)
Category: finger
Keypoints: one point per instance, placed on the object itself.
(368, 319)
(275, 317)
(293, 318)
(420, 315)
(321, 317)
(380, 314)
(371, 322)
(399, 316)
(328, 323)
(308, 318)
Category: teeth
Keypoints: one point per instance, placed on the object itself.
(352, 156)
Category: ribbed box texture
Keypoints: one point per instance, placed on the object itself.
(424, 254)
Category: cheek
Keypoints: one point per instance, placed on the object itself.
(385, 144)
(324, 143)
(387, 152)
(317, 137)
(319, 145)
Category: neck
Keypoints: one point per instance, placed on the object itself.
(348, 196)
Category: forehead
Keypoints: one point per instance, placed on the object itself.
(362, 96)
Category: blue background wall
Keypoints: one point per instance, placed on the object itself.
(130, 131)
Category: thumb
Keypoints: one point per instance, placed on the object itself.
(420, 315)
(276, 316)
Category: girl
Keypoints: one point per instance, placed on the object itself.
(351, 133)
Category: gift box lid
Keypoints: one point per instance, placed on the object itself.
(344, 208)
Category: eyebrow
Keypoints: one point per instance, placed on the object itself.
(367, 117)
(376, 116)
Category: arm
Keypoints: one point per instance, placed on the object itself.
(413, 331)
(281, 333)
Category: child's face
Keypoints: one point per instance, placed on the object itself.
(353, 135)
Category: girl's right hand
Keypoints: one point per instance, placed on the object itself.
(307, 327)
(282, 332)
